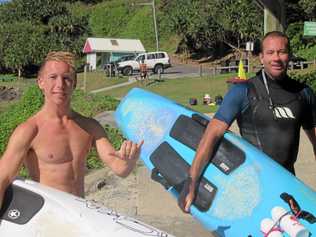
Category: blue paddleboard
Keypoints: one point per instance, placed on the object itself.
(240, 186)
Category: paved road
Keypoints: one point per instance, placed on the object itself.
(174, 72)
(186, 70)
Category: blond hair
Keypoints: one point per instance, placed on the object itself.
(60, 56)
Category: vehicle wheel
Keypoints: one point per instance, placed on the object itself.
(127, 71)
(158, 69)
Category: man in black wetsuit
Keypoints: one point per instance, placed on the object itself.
(270, 109)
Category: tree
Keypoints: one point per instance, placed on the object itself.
(203, 24)
(32, 10)
(309, 7)
(31, 28)
(22, 45)
(67, 32)
(192, 23)
(241, 20)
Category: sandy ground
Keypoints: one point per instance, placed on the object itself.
(140, 197)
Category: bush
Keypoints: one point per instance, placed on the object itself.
(308, 78)
(8, 77)
(304, 47)
(116, 139)
(30, 102)
(89, 105)
(309, 53)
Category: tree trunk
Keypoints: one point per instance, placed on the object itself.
(19, 73)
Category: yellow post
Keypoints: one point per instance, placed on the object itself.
(241, 71)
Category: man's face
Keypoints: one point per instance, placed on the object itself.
(275, 56)
(57, 82)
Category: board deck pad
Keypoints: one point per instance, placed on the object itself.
(245, 184)
(188, 131)
(27, 202)
(175, 171)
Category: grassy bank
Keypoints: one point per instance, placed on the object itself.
(181, 90)
(97, 80)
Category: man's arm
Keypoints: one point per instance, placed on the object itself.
(235, 101)
(121, 162)
(311, 134)
(212, 135)
(14, 154)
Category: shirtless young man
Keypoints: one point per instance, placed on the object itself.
(53, 144)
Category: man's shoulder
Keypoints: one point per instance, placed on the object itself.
(90, 124)
(26, 130)
(240, 87)
(30, 124)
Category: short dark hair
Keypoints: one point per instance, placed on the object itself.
(275, 34)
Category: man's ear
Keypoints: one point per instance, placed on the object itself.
(40, 82)
(261, 57)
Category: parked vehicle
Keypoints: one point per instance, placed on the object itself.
(125, 58)
(111, 68)
(155, 61)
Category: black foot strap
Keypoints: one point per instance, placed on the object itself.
(296, 209)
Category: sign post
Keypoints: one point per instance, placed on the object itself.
(249, 49)
(309, 28)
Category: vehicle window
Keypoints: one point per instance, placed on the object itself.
(151, 56)
(160, 55)
(140, 58)
(131, 57)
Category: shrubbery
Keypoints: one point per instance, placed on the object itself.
(309, 53)
(7, 77)
(31, 102)
(115, 137)
(89, 105)
(308, 78)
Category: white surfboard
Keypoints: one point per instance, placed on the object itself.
(34, 210)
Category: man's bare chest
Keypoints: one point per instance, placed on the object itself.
(59, 144)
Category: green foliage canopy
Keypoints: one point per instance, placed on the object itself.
(309, 7)
(204, 23)
(31, 28)
(21, 44)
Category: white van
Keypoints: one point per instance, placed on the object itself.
(155, 61)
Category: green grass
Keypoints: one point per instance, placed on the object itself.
(21, 85)
(181, 90)
(97, 80)
(5, 104)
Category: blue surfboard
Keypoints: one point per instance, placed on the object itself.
(239, 187)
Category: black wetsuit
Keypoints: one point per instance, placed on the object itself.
(272, 121)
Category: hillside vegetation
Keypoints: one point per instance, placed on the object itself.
(196, 28)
